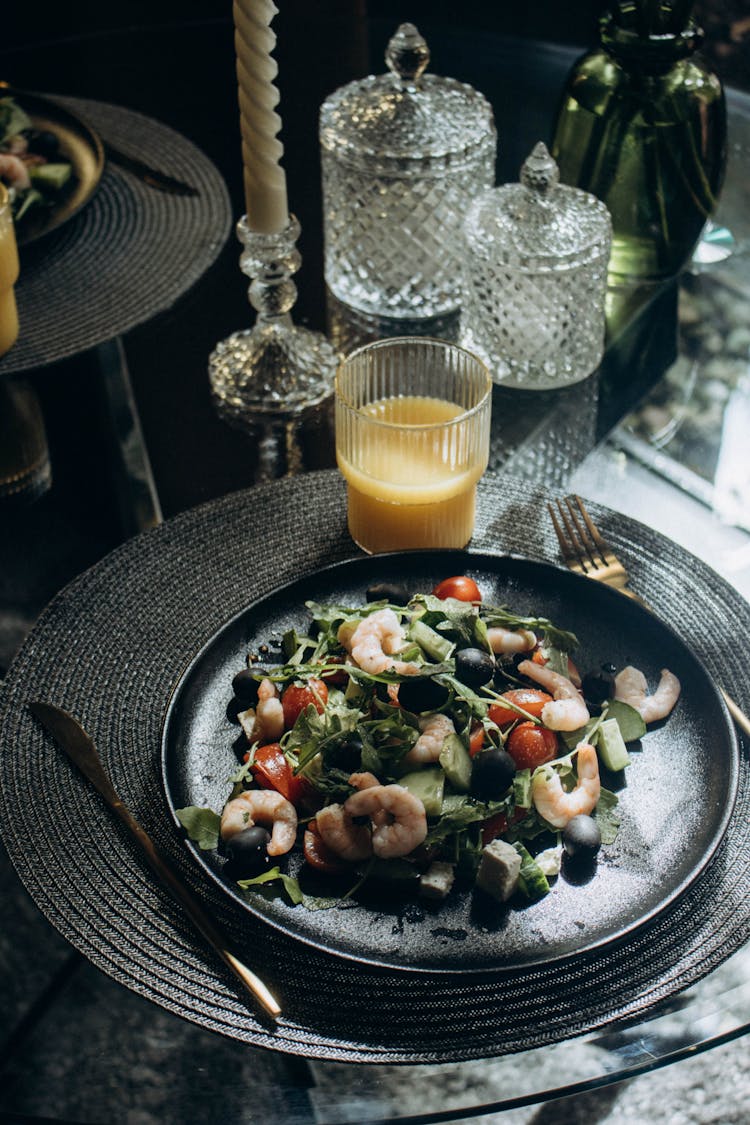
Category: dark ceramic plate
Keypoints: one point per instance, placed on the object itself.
(675, 801)
(79, 145)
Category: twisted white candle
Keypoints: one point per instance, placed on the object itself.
(264, 179)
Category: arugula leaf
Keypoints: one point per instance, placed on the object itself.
(13, 119)
(478, 706)
(459, 811)
(290, 885)
(558, 638)
(201, 825)
(450, 616)
(313, 731)
(607, 816)
(427, 670)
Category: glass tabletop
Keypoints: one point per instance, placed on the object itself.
(656, 434)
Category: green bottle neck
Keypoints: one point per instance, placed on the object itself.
(648, 54)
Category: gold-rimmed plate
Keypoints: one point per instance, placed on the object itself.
(79, 144)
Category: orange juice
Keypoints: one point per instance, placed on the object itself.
(8, 276)
(411, 485)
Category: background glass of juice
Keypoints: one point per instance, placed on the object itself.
(8, 275)
(412, 440)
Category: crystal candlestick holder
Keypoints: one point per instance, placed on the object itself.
(267, 376)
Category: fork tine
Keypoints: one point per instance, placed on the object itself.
(573, 551)
(589, 544)
(603, 547)
(568, 551)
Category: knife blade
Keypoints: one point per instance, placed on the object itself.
(152, 177)
(79, 747)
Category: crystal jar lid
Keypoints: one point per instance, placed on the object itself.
(417, 120)
(538, 223)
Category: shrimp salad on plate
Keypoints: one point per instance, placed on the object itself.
(32, 166)
(428, 742)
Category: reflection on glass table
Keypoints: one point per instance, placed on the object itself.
(692, 426)
(712, 1012)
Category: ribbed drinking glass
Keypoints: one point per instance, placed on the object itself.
(412, 440)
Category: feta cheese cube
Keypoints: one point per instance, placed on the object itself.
(499, 869)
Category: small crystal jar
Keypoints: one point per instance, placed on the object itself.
(535, 278)
(402, 155)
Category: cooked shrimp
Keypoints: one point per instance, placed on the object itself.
(401, 829)
(557, 806)
(269, 714)
(507, 641)
(339, 833)
(631, 688)
(374, 641)
(364, 780)
(266, 807)
(566, 711)
(435, 729)
(264, 723)
(13, 172)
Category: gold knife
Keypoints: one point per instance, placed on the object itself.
(151, 177)
(72, 738)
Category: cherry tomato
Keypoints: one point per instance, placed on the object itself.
(529, 698)
(476, 738)
(317, 853)
(497, 825)
(338, 679)
(530, 746)
(272, 771)
(461, 587)
(297, 696)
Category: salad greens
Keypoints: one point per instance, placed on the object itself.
(358, 718)
(32, 166)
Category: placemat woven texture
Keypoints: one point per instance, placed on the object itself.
(128, 254)
(110, 648)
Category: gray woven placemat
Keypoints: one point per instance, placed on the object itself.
(128, 254)
(111, 647)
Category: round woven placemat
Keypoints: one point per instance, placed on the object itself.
(128, 254)
(110, 648)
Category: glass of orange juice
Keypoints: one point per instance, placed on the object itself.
(8, 275)
(412, 440)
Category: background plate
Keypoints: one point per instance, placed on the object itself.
(676, 796)
(79, 144)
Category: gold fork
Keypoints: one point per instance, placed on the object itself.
(586, 552)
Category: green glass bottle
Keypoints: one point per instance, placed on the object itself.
(642, 126)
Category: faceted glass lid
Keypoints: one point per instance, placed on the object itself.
(538, 218)
(407, 113)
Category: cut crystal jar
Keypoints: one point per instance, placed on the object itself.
(402, 155)
(535, 279)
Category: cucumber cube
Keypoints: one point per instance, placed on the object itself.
(455, 760)
(611, 746)
(427, 785)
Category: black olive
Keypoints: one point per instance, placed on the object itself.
(345, 754)
(474, 667)
(421, 693)
(234, 707)
(248, 851)
(581, 837)
(598, 686)
(393, 592)
(245, 685)
(492, 771)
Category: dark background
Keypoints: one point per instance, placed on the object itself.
(174, 61)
